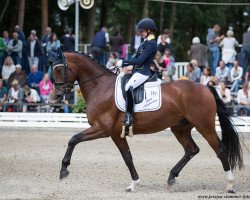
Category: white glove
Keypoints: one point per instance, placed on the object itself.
(119, 63)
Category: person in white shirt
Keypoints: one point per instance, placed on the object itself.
(206, 77)
(8, 69)
(167, 33)
(243, 100)
(31, 96)
(222, 72)
(236, 76)
(224, 93)
(228, 45)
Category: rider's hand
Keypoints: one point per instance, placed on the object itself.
(119, 63)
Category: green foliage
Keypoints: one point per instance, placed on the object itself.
(80, 107)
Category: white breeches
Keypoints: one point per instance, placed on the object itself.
(136, 80)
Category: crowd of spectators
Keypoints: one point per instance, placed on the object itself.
(26, 76)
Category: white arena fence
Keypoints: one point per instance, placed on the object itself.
(77, 121)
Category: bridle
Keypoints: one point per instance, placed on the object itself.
(65, 86)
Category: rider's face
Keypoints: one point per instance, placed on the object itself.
(143, 33)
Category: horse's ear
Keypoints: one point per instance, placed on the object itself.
(52, 57)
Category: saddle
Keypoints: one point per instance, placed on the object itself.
(138, 93)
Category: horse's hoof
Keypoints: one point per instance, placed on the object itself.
(128, 190)
(171, 183)
(64, 173)
(231, 191)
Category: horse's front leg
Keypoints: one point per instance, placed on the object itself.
(88, 134)
(122, 145)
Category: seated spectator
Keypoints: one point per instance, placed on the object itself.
(190, 72)
(228, 45)
(243, 101)
(53, 43)
(15, 95)
(45, 87)
(198, 52)
(206, 77)
(35, 77)
(167, 66)
(166, 33)
(156, 65)
(19, 75)
(164, 45)
(197, 70)
(236, 77)
(112, 60)
(8, 69)
(224, 93)
(31, 96)
(3, 95)
(222, 72)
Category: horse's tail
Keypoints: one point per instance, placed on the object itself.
(230, 137)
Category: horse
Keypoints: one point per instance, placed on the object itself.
(185, 105)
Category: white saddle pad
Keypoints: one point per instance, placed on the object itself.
(152, 97)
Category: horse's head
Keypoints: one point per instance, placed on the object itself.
(62, 73)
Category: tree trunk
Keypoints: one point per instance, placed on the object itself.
(4, 10)
(103, 14)
(130, 28)
(91, 23)
(20, 18)
(145, 9)
(161, 16)
(172, 21)
(45, 16)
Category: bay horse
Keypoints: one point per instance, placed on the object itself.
(185, 105)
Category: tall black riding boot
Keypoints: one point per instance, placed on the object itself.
(128, 119)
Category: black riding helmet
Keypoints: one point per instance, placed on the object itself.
(147, 24)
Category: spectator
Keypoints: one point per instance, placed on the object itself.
(19, 75)
(15, 47)
(99, 44)
(166, 33)
(136, 41)
(224, 93)
(190, 72)
(116, 43)
(247, 75)
(53, 43)
(168, 69)
(20, 33)
(243, 101)
(3, 95)
(228, 45)
(213, 41)
(33, 32)
(156, 66)
(197, 70)
(206, 77)
(68, 41)
(34, 78)
(45, 42)
(33, 50)
(2, 50)
(6, 41)
(236, 77)
(222, 72)
(8, 69)
(111, 61)
(198, 52)
(164, 45)
(45, 87)
(15, 95)
(245, 50)
(31, 96)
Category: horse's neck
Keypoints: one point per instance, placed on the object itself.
(98, 84)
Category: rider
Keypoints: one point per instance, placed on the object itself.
(141, 65)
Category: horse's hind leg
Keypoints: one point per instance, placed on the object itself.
(123, 147)
(183, 134)
(88, 134)
(221, 151)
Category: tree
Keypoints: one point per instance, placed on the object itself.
(21, 11)
(91, 23)
(45, 16)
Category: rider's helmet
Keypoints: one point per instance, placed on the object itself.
(147, 24)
